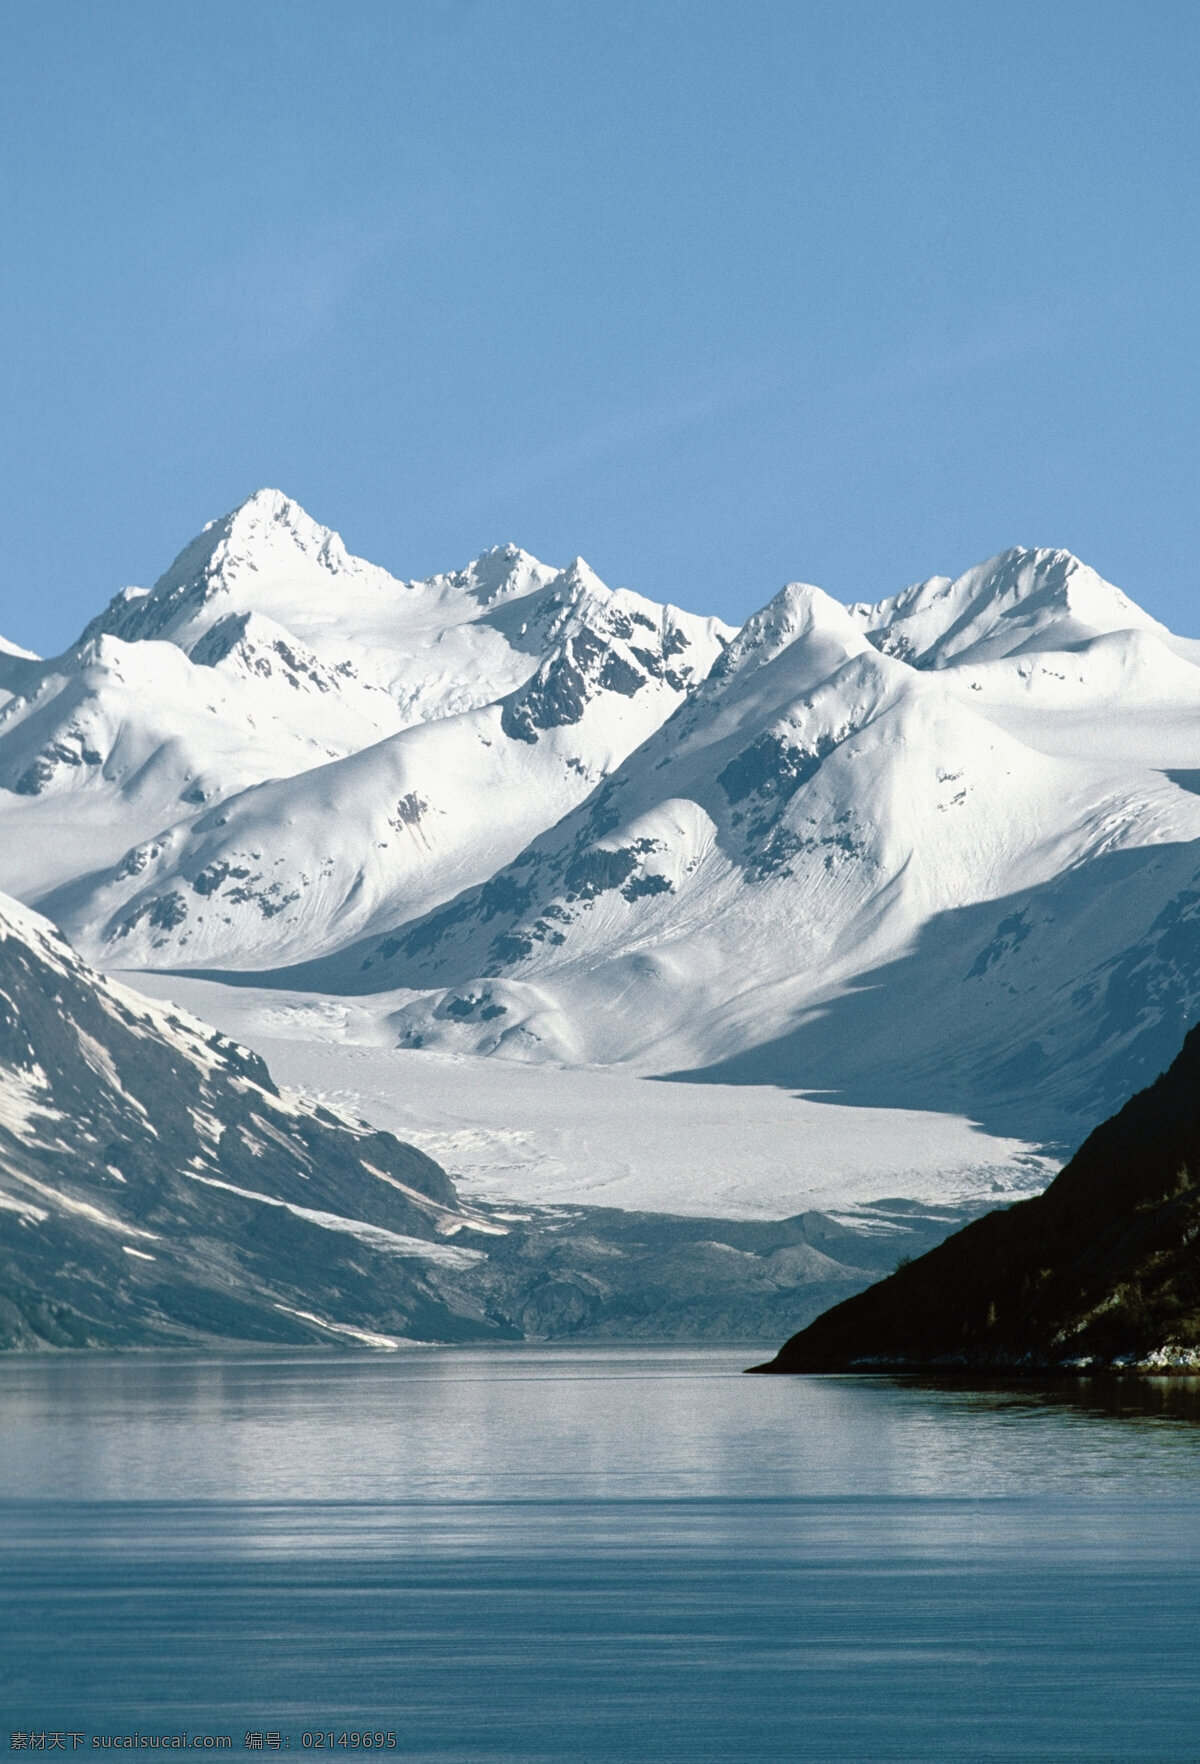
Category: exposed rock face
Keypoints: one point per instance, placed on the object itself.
(1102, 1270)
(938, 852)
(242, 731)
(156, 1187)
(598, 1274)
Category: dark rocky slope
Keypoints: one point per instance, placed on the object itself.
(1103, 1269)
(157, 1189)
(598, 1274)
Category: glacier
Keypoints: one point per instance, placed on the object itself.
(926, 868)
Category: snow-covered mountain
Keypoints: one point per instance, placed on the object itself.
(942, 851)
(967, 881)
(1019, 603)
(156, 1186)
(278, 743)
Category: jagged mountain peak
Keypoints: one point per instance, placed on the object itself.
(799, 613)
(273, 506)
(573, 590)
(267, 520)
(580, 571)
(264, 555)
(503, 572)
(599, 642)
(1022, 600)
(577, 597)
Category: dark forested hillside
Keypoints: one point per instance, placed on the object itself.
(1101, 1269)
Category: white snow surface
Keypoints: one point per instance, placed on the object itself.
(1017, 603)
(984, 847)
(939, 852)
(549, 1135)
(279, 745)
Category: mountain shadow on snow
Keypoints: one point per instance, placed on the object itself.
(1100, 1271)
(1020, 1028)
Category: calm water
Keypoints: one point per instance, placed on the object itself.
(559, 1554)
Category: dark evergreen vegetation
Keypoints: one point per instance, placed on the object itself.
(1103, 1269)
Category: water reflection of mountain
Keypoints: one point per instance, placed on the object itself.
(1173, 1401)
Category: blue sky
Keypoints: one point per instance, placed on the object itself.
(718, 295)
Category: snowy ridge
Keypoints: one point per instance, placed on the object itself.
(551, 821)
(815, 814)
(1016, 603)
(155, 1185)
(151, 763)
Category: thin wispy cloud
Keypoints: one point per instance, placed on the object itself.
(1006, 335)
(621, 433)
(282, 295)
(1001, 337)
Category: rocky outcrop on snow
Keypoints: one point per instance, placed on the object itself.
(280, 744)
(157, 1188)
(971, 888)
(939, 851)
